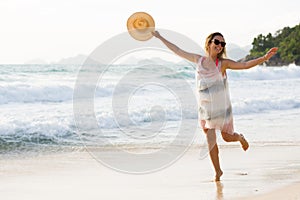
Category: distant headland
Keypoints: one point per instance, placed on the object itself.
(286, 39)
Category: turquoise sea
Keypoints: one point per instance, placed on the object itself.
(36, 103)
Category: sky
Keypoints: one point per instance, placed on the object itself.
(54, 29)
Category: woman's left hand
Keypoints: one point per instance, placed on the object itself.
(270, 53)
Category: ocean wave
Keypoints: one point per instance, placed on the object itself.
(266, 73)
(28, 137)
(38, 68)
(25, 93)
(256, 73)
(24, 87)
(251, 106)
(181, 75)
(144, 116)
(42, 129)
(35, 93)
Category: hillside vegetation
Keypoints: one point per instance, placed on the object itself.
(286, 39)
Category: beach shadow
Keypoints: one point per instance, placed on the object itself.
(219, 191)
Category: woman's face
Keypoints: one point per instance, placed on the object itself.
(217, 44)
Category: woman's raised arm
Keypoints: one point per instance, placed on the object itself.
(186, 55)
(230, 64)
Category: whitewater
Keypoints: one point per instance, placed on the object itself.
(36, 103)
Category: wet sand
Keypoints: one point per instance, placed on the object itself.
(263, 172)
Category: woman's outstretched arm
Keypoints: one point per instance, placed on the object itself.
(230, 64)
(186, 55)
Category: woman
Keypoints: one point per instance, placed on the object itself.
(214, 101)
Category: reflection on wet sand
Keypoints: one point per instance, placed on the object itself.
(219, 191)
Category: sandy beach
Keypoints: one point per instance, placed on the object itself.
(287, 192)
(263, 172)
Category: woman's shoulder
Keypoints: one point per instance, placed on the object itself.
(200, 59)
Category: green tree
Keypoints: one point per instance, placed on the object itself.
(286, 39)
(289, 46)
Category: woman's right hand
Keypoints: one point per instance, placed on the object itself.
(156, 34)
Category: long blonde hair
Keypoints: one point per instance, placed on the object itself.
(209, 39)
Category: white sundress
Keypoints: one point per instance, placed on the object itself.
(214, 106)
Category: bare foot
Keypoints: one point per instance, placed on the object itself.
(218, 175)
(244, 142)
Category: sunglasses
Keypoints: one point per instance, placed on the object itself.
(217, 42)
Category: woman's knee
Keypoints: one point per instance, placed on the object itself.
(211, 136)
(226, 137)
(205, 130)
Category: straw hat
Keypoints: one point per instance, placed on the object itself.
(140, 25)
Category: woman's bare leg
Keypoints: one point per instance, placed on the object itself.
(234, 138)
(214, 152)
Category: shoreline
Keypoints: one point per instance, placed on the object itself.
(258, 173)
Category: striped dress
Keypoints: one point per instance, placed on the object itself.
(214, 106)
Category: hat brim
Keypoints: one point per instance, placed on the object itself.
(140, 25)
